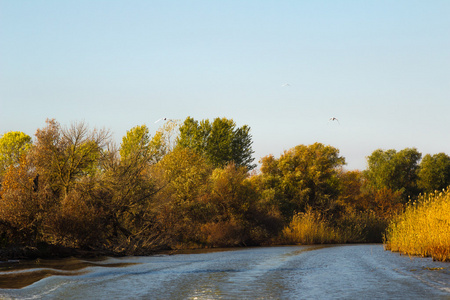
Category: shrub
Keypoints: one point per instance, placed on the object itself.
(361, 227)
(224, 233)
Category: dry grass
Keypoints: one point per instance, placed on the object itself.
(309, 228)
(423, 229)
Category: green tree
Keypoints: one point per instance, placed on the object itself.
(136, 144)
(434, 172)
(394, 170)
(13, 145)
(304, 176)
(220, 141)
(381, 168)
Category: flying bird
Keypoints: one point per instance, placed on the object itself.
(286, 84)
(334, 119)
(160, 120)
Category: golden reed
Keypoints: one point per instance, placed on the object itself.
(309, 228)
(423, 229)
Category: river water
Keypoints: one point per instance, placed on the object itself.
(289, 272)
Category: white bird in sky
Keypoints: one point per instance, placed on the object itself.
(160, 120)
(286, 84)
(334, 119)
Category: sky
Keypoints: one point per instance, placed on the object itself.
(382, 68)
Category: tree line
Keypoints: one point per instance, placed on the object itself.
(194, 184)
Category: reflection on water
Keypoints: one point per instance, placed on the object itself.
(293, 272)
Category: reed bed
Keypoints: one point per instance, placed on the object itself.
(309, 228)
(423, 229)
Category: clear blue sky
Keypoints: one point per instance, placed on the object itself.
(381, 67)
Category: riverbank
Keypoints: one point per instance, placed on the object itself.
(46, 251)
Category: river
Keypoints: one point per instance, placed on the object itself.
(289, 272)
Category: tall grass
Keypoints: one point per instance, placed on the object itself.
(309, 228)
(423, 229)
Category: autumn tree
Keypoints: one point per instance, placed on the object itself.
(130, 174)
(351, 195)
(108, 205)
(136, 144)
(434, 172)
(20, 209)
(164, 140)
(182, 180)
(63, 155)
(184, 172)
(220, 141)
(303, 176)
(123, 193)
(231, 206)
(363, 212)
(13, 145)
(150, 149)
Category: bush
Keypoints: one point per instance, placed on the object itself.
(361, 227)
(224, 234)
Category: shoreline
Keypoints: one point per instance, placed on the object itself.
(15, 253)
(19, 253)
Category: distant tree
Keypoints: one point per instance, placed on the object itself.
(231, 207)
(108, 203)
(182, 181)
(184, 175)
(138, 141)
(384, 202)
(220, 141)
(394, 170)
(129, 177)
(13, 145)
(381, 168)
(351, 195)
(164, 140)
(63, 155)
(434, 172)
(304, 176)
(125, 192)
(231, 192)
(136, 144)
(130, 174)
